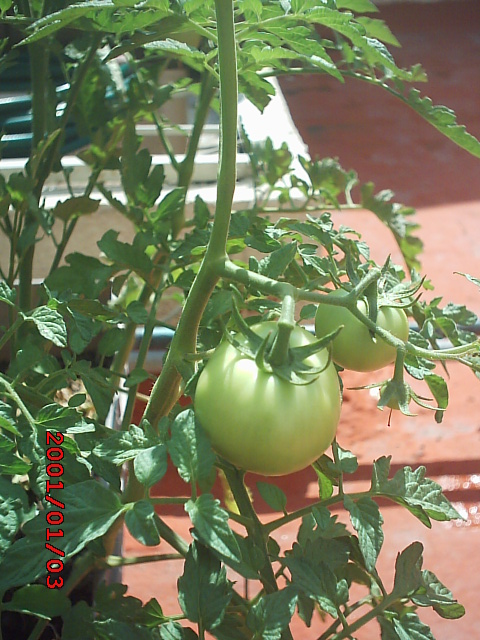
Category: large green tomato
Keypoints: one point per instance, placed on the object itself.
(261, 422)
(354, 347)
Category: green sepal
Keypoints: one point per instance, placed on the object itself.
(295, 369)
(307, 350)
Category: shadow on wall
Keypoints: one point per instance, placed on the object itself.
(381, 138)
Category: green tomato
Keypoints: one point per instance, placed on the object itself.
(354, 347)
(260, 422)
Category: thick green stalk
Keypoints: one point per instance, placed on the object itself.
(186, 167)
(80, 74)
(142, 354)
(168, 386)
(184, 179)
(39, 59)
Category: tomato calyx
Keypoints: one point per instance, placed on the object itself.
(396, 395)
(294, 366)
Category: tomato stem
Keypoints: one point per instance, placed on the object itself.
(399, 362)
(167, 388)
(278, 355)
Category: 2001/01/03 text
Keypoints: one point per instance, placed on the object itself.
(54, 516)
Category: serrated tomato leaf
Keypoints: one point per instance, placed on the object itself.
(203, 589)
(211, 526)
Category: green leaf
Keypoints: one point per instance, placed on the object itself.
(75, 207)
(7, 419)
(77, 400)
(325, 483)
(90, 511)
(58, 418)
(150, 465)
(93, 309)
(203, 589)
(408, 575)
(50, 325)
(13, 506)
(258, 90)
(171, 204)
(315, 581)
(174, 631)
(78, 623)
(252, 558)
(98, 387)
(347, 461)
(410, 627)
(443, 119)
(111, 341)
(40, 601)
(121, 446)
(190, 448)
(211, 526)
(59, 19)
(470, 278)
(328, 526)
(435, 594)
(273, 496)
(395, 217)
(7, 295)
(375, 28)
(136, 377)
(5, 5)
(112, 603)
(439, 389)
(374, 52)
(189, 55)
(141, 522)
(137, 312)
(84, 275)
(201, 213)
(274, 265)
(420, 495)
(130, 256)
(10, 462)
(360, 6)
(252, 7)
(272, 614)
(367, 522)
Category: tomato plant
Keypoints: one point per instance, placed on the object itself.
(354, 347)
(268, 397)
(260, 422)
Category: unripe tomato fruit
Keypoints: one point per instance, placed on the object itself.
(260, 422)
(354, 347)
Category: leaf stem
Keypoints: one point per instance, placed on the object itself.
(18, 401)
(363, 620)
(11, 330)
(122, 561)
(235, 479)
(185, 168)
